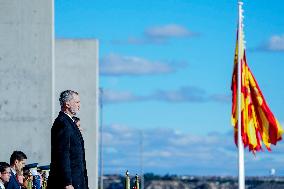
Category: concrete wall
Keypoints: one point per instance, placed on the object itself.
(76, 68)
(26, 60)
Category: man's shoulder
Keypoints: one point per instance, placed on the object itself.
(62, 120)
(12, 184)
(61, 117)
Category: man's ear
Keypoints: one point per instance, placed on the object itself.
(16, 161)
(67, 104)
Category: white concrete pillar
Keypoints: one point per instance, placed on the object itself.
(26, 61)
(76, 68)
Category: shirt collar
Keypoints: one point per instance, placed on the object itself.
(69, 116)
(13, 170)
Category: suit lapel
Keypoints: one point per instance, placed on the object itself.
(13, 176)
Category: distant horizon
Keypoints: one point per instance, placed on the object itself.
(178, 175)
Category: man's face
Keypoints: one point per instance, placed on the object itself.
(20, 164)
(5, 176)
(74, 105)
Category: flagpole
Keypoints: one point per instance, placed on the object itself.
(240, 141)
(101, 140)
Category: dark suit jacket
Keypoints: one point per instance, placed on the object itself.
(13, 183)
(68, 165)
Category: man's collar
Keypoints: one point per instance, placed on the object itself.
(68, 116)
(13, 170)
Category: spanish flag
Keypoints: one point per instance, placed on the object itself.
(258, 124)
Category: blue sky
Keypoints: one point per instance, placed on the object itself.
(165, 67)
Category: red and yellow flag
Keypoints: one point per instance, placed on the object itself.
(258, 123)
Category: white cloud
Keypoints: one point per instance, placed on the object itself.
(276, 43)
(158, 35)
(183, 94)
(166, 31)
(186, 139)
(221, 98)
(141, 41)
(189, 93)
(110, 96)
(130, 65)
(158, 153)
(168, 151)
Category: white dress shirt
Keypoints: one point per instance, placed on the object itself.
(69, 116)
(2, 185)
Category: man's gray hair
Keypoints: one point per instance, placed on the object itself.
(66, 96)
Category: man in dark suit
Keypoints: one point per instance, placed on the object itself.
(17, 163)
(68, 165)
